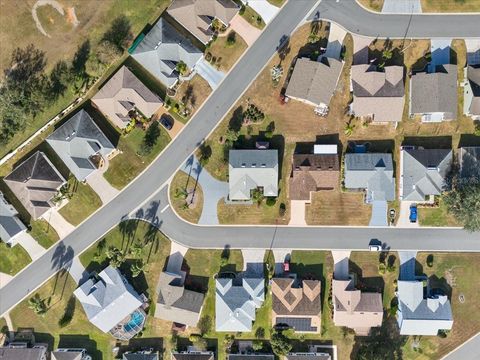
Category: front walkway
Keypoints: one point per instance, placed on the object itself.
(248, 32)
(213, 190)
(101, 186)
(213, 76)
(31, 246)
(263, 8)
(58, 222)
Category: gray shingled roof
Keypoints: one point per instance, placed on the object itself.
(380, 94)
(251, 357)
(76, 141)
(10, 224)
(236, 301)
(140, 356)
(373, 172)
(424, 172)
(35, 182)
(314, 81)
(249, 169)
(421, 316)
(7, 353)
(435, 92)
(192, 356)
(162, 48)
(473, 75)
(67, 355)
(308, 356)
(470, 162)
(175, 303)
(109, 300)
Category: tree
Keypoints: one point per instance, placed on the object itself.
(115, 256)
(80, 59)
(280, 344)
(387, 54)
(231, 38)
(384, 343)
(349, 127)
(181, 67)
(231, 136)
(137, 267)
(107, 52)
(463, 201)
(204, 324)
(59, 78)
(257, 345)
(151, 137)
(136, 249)
(205, 154)
(120, 32)
(12, 116)
(257, 196)
(93, 67)
(38, 305)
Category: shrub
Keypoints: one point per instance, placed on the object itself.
(231, 38)
(381, 269)
(280, 344)
(260, 333)
(430, 260)
(282, 209)
(257, 345)
(271, 201)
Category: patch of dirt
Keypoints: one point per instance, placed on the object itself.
(192, 199)
(72, 17)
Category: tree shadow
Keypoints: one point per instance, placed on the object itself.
(61, 256)
(141, 344)
(429, 142)
(236, 121)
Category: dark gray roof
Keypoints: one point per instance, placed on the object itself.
(192, 356)
(162, 48)
(67, 355)
(10, 224)
(424, 172)
(298, 323)
(373, 172)
(76, 141)
(251, 357)
(36, 353)
(140, 356)
(473, 75)
(470, 162)
(435, 92)
(308, 356)
(35, 182)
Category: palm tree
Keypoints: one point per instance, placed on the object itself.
(37, 305)
(349, 127)
(137, 267)
(136, 249)
(116, 256)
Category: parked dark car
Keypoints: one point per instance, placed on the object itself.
(413, 213)
(167, 121)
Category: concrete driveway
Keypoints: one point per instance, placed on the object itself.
(31, 246)
(404, 216)
(4, 279)
(248, 32)
(473, 51)
(360, 49)
(340, 264)
(379, 213)
(280, 255)
(58, 222)
(101, 186)
(297, 213)
(335, 41)
(402, 7)
(263, 8)
(253, 262)
(209, 73)
(77, 271)
(213, 190)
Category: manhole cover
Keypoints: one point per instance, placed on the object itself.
(461, 298)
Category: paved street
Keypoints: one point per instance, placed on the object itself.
(357, 20)
(207, 117)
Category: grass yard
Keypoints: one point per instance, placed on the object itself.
(181, 185)
(337, 208)
(82, 204)
(79, 333)
(436, 216)
(226, 55)
(43, 233)
(375, 5)
(124, 167)
(193, 93)
(13, 259)
(456, 274)
(450, 5)
(253, 18)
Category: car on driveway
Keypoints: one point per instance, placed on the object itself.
(413, 213)
(167, 121)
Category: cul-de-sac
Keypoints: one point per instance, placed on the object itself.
(240, 179)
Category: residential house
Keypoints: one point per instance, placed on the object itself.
(315, 171)
(175, 303)
(193, 354)
(372, 172)
(308, 356)
(472, 92)
(81, 145)
(469, 160)
(252, 169)
(70, 354)
(433, 95)
(112, 305)
(141, 355)
(162, 49)
(236, 302)
(355, 309)
(423, 172)
(197, 16)
(314, 82)
(24, 347)
(296, 303)
(378, 94)
(123, 96)
(11, 227)
(35, 182)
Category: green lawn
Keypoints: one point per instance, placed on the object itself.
(84, 201)
(13, 259)
(43, 233)
(436, 216)
(124, 167)
(80, 333)
(253, 18)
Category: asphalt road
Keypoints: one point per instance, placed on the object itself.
(354, 18)
(467, 351)
(148, 183)
(311, 237)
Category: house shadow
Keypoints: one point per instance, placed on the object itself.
(31, 337)
(82, 342)
(371, 146)
(139, 282)
(183, 344)
(303, 346)
(141, 344)
(397, 58)
(429, 142)
(310, 272)
(469, 140)
(327, 139)
(421, 64)
(194, 282)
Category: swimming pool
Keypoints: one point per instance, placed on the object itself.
(136, 321)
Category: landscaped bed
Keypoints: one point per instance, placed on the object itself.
(186, 196)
